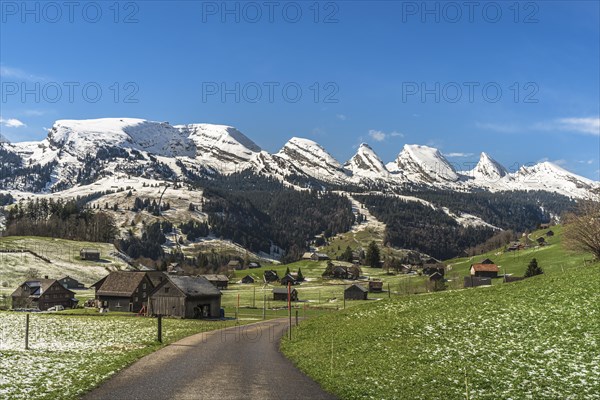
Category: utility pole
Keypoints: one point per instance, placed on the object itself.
(290, 308)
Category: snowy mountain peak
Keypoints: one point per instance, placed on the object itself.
(488, 168)
(310, 157)
(366, 163)
(220, 143)
(424, 164)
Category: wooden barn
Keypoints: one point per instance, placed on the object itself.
(484, 270)
(375, 286)
(270, 275)
(71, 283)
(472, 281)
(282, 294)
(124, 291)
(89, 254)
(186, 297)
(541, 241)
(43, 294)
(248, 279)
(356, 292)
(235, 264)
(219, 281)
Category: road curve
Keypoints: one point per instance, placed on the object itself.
(241, 362)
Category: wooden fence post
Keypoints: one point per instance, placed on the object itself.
(296, 317)
(27, 332)
(159, 336)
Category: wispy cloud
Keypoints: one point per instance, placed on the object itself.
(11, 123)
(586, 126)
(16, 73)
(380, 136)
(341, 117)
(590, 126)
(458, 154)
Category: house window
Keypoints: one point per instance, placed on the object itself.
(135, 299)
(144, 286)
(166, 290)
(144, 295)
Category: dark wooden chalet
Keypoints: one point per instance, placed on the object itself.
(219, 281)
(314, 256)
(288, 278)
(43, 294)
(356, 292)
(248, 279)
(89, 254)
(282, 294)
(124, 291)
(541, 241)
(186, 297)
(429, 269)
(71, 283)
(550, 233)
(484, 270)
(270, 275)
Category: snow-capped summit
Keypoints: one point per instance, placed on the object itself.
(366, 164)
(423, 164)
(313, 159)
(220, 144)
(550, 177)
(488, 169)
(85, 137)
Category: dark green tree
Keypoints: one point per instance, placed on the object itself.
(373, 256)
(300, 277)
(347, 255)
(533, 269)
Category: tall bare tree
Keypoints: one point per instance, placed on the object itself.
(582, 228)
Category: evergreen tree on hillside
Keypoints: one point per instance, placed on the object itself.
(533, 269)
(347, 255)
(300, 277)
(373, 256)
(287, 271)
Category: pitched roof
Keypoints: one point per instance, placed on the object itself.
(121, 283)
(88, 250)
(37, 287)
(485, 267)
(156, 277)
(194, 286)
(308, 254)
(362, 289)
(486, 261)
(216, 278)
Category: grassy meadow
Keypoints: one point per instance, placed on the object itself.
(538, 339)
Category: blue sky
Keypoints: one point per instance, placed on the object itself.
(386, 73)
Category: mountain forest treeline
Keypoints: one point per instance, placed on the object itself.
(60, 219)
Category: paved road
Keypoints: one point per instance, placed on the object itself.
(235, 363)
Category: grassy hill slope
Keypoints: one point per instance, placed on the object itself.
(62, 254)
(538, 338)
(552, 257)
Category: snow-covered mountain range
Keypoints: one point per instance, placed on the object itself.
(79, 152)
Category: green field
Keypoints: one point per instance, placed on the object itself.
(70, 355)
(538, 338)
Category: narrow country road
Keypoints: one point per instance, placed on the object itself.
(236, 363)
